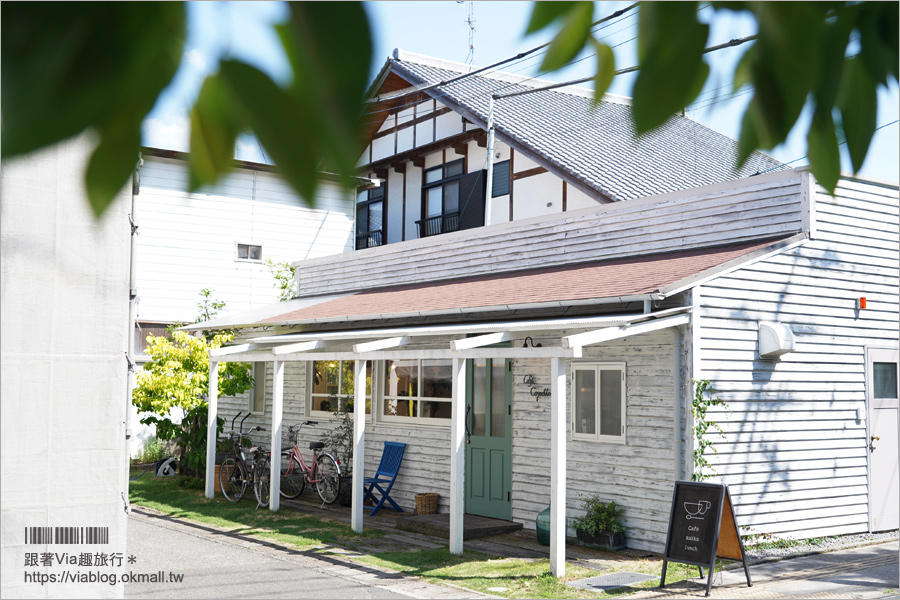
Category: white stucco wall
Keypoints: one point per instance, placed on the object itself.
(64, 317)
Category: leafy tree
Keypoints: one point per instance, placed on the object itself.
(177, 377)
(285, 281)
(801, 55)
(100, 67)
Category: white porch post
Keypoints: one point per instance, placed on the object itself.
(359, 424)
(277, 418)
(557, 467)
(457, 456)
(212, 409)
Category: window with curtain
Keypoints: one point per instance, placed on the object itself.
(598, 402)
(418, 391)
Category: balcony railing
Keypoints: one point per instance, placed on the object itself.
(439, 224)
(368, 240)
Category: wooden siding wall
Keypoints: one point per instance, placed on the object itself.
(760, 206)
(187, 241)
(794, 453)
(638, 475)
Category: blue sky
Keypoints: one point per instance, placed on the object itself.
(439, 28)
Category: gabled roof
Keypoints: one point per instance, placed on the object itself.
(592, 148)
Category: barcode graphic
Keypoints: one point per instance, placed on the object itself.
(67, 535)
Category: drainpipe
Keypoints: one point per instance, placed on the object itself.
(133, 300)
(489, 183)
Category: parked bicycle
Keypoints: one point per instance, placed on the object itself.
(324, 470)
(238, 472)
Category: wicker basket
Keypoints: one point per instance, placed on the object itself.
(426, 504)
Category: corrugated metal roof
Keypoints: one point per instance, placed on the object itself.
(595, 145)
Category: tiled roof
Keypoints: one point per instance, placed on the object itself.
(595, 146)
(606, 279)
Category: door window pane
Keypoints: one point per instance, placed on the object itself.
(451, 197)
(479, 379)
(498, 398)
(885, 379)
(610, 402)
(435, 202)
(585, 393)
(362, 219)
(375, 216)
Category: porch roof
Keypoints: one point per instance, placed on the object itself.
(647, 277)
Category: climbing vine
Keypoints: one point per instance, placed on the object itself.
(704, 397)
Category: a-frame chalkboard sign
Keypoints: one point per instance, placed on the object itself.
(702, 528)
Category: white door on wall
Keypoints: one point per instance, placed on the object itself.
(884, 421)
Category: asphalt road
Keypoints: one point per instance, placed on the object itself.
(213, 565)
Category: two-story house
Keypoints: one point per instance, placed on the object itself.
(554, 352)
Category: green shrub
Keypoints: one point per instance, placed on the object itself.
(153, 450)
(600, 516)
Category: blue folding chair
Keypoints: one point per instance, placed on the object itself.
(387, 471)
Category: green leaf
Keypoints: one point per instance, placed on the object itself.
(879, 38)
(748, 141)
(111, 165)
(828, 75)
(606, 69)
(858, 103)
(670, 51)
(329, 46)
(742, 72)
(278, 122)
(784, 65)
(214, 130)
(823, 151)
(571, 38)
(68, 66)
(543, 13)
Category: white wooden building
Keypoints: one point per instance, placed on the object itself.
(551, 355)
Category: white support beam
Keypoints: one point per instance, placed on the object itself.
(277, 419)
(558, 467)
(298, 347)
(446, 353)
(359, 437)
(236, 349)
(382, 344)
(612, 333)
(481, 340)
(457, 456)
(212, 427)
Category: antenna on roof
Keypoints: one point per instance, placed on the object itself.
(470, 21)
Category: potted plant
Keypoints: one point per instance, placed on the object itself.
(601, 526)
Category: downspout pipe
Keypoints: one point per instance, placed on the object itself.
(489, 182)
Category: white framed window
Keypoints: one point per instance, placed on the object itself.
(417, 391)
(598, 402)
(248, 252)
(258, 393)
(331, 387)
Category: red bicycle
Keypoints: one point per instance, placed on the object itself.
(324, 472)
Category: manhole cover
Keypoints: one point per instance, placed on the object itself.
(613, 580)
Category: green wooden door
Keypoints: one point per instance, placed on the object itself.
(489, 435)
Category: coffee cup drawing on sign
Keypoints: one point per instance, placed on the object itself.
(695, 509)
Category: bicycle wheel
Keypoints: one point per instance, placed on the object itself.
(231, 482)
(262, 478)
(328, 479)
(293, 478)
